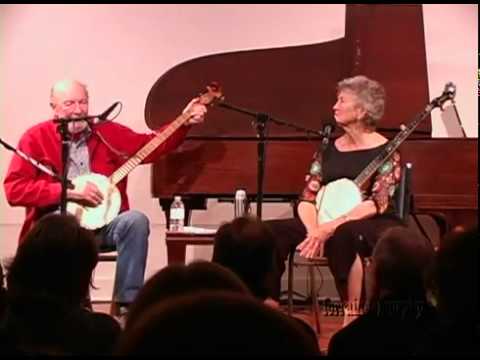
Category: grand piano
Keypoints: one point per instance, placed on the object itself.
(297, 84)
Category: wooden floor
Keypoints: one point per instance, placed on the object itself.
(329, 323)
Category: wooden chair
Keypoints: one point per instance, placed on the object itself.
(111, 256)
(107, 256)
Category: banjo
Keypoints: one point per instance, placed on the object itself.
(96, 217)
(340, 196)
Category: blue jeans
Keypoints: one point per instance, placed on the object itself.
(128, 234)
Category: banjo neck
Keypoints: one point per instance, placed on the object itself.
(147, 149)
(212, 94)
(448, 94)
(102, 214)
(339, 197)
(392, 145)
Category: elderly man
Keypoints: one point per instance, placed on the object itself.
(101, 149)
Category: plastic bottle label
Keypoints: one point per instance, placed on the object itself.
(177, 214)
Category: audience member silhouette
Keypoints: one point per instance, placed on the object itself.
(215, 323)
(246, 246)
(456, 280)
(4, 341)
(3, 295)
(47, 282)
(398, 320)
(180, 279)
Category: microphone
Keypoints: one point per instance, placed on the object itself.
(328, 129)
(104, 116)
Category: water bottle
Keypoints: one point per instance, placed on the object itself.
(241, 203)
(177, 214)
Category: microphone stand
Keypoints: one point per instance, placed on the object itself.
(65, 139)
(260, 122)
(35, 163)
(260, 125)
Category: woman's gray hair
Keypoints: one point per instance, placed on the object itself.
(371, 96)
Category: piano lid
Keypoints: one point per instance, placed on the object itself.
(297, 84)
(260, 80)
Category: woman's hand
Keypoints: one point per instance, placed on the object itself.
(312, 246)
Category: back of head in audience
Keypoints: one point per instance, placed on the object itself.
(216, 323)
(1, 277)
(179, 279)
(456, 291)
(47, 283)
(456, 276)
(399, 265)
(246, 246)
(54, 263)
(3, 295)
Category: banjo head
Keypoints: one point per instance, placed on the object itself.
(96, 217)
(336, 199)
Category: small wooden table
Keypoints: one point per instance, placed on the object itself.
(177, 244)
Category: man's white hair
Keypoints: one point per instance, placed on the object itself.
(63, 85)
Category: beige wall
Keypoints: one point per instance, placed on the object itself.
(121, 50)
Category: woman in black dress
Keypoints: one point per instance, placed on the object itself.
(350, 237)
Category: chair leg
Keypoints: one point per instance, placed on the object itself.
(290, 283)
(87, 302)
(114, 307)
(366, 261)
(313, 295)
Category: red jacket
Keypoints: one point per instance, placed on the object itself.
(27, 186)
